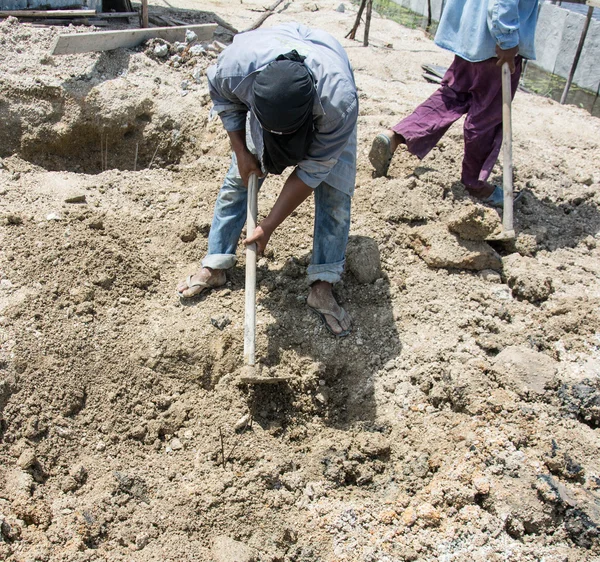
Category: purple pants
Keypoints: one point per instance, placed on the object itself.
(474, 88)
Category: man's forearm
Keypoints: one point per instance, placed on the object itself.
(294, 192)
(238, 141)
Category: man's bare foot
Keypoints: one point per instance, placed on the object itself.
(321, 300)
(205, 278)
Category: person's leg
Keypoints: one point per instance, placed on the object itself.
(331, 228)
(483, 125)
(428, 123)
(228, 221)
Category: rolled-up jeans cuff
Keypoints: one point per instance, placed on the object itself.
(219, 261)
(328, 272)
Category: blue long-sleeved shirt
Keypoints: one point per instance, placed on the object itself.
(332, 154)
(472, 28)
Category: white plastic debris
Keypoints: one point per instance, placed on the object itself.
(197, 50)
(190, 36)
(161, 51)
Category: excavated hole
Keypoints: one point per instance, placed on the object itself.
(108, 128)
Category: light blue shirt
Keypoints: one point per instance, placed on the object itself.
(471, 29)
(332, 153)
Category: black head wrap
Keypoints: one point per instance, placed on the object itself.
(283, 100)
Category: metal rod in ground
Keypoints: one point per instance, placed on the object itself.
(507, 162)
(250, 315)
(586, 26)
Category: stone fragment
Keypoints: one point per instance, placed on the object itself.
(527, 372)
(430, 516)
(476, 222)
(242, 423)
(190, 36)
(363, 259)
(27, 459)
(372, 444)
(226, 549)
(582, 401)
(527, 279)
(409, 516)
(189, 233)
(161, 51)
(439, 248)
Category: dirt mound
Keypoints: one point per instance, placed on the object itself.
(457, 422)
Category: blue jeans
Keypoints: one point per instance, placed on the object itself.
(330, 237)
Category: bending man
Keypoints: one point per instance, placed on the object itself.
(293, 88)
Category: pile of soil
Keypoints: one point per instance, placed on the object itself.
(459, 420)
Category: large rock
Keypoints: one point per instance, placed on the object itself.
(475, 223)
(363, 259)
(225, 549)
(527, 279)
(527, 372)
(440, 248)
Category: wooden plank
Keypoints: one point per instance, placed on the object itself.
(47, 13)
(112, 15)
(74, 43)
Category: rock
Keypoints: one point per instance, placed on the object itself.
(580, 507)
(176, 444)
(526, 278)
(161, 51)
(409, 516)
(27, 460)
(189, 233)
(68, 484)
(372, 444)
(476, 222)
(481, 485)
(528, 373)
(242, 423)
(220, 322)
(341, 8)
(429, 515)
(53, 217)
(441, 249)
(12, 219)
(582, 401)
(190, 36)
(78, 198)
(196, 51)
(363, 259)
(225, 549)
(79, 473)
(490, 276)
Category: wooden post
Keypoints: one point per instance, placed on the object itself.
(144, 14)
(368, 23)
(352, 32)
(250, 315)
(586, 26)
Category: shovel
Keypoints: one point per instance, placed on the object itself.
(508, 230)
(252, 373)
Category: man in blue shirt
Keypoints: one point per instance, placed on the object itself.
(483, 35)
(287, 98)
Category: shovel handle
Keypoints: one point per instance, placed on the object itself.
(507, 161)
(250, 310)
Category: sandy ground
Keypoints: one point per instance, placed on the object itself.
(458, 422)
